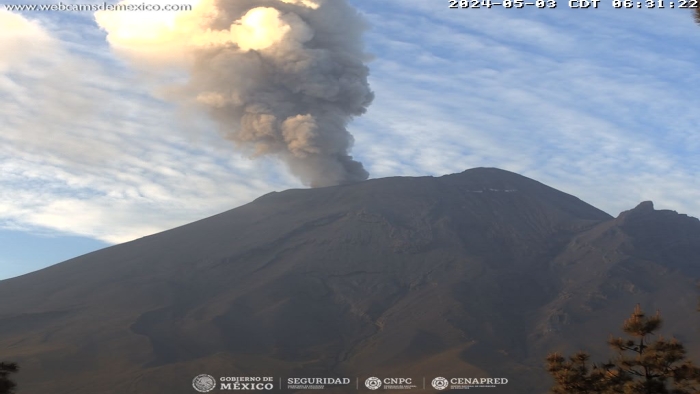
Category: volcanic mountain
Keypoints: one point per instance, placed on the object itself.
(477, 274)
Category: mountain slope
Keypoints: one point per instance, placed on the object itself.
(478, 273)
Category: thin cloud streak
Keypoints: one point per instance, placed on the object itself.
(93, 154)
(583, 116)
(545, 94)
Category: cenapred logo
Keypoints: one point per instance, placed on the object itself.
(373, 383)
(440, 383)
(204, 383)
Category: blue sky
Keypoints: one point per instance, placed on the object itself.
(598, 103)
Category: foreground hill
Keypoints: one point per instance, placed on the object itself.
(473, 274)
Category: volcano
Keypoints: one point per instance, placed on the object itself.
(476, 274)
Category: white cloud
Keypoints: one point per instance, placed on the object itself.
(21, 41)
(85, 150)
(598, 107)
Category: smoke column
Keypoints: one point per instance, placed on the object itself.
(281, 77)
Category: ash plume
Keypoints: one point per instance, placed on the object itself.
(280, 77)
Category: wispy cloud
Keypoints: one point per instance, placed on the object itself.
(597, 104)
(86, 150)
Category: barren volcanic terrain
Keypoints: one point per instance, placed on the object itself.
(477, 274)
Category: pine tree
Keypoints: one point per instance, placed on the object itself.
(642, 365)
(7, 386)
(575, 376)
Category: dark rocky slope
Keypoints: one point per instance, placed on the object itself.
(473, 274)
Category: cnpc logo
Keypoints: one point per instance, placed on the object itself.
(375, 383)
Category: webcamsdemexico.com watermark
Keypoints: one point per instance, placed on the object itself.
(104, 6)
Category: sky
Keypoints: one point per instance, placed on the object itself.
(597, 103)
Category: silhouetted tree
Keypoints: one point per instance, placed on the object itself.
(642, 365)
(697, 15)
(576, 376)
(7, 386)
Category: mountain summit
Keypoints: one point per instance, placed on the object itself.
(476, 274)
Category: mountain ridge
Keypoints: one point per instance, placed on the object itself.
(480, 272)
